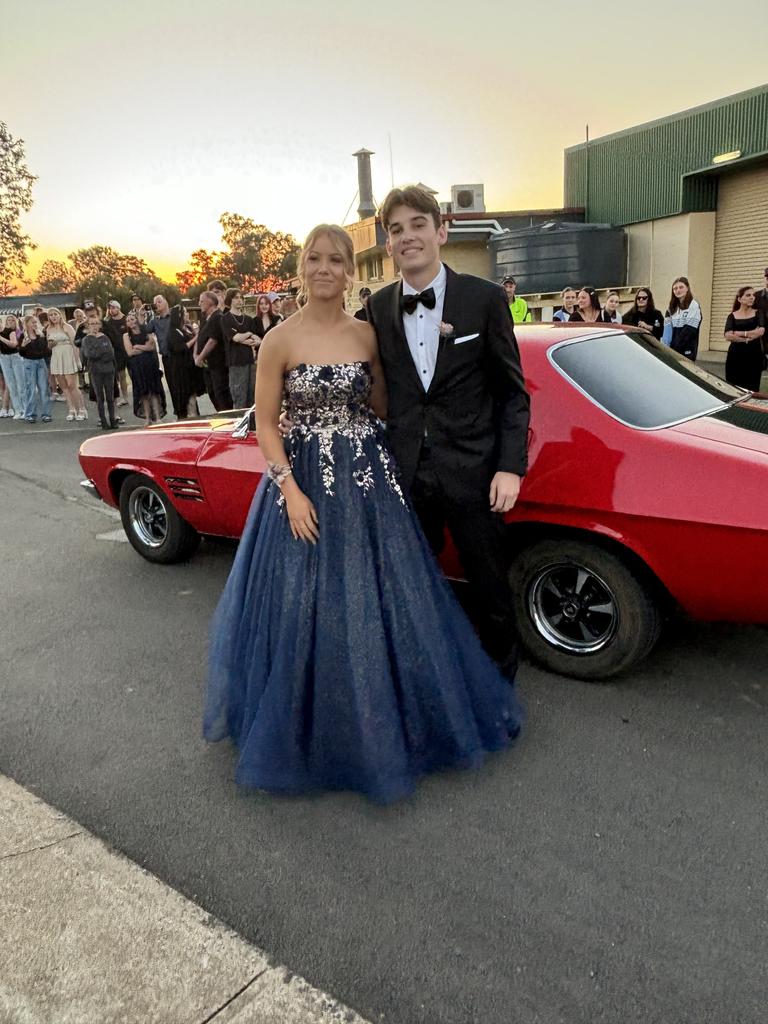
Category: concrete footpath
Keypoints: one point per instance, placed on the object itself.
(88, 937)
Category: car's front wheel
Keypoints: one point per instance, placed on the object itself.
(152, 524)
(581, 610)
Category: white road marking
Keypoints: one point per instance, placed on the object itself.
(114, 535)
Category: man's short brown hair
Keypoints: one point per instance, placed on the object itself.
(416, 197)
(218, 286)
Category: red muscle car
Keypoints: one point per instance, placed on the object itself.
(647, 492)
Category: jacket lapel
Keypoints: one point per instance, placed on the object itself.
(451, 310)
(402, 353)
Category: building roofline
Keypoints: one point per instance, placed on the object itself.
(489, 214)
(712, 105)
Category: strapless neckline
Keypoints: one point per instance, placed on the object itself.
(319, 366)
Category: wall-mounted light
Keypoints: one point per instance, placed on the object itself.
(724, 158)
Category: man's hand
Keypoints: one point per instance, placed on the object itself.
(505, 488)
(198, 360)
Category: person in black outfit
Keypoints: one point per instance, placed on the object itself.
(458, 410)
(761, 302)
(185, 380)
(744, 362)
(644, 314)
(364, 294)
(588, 310)
(114, 328)
(265, 318)
(210, 353)
(240, 342)
(97, 349)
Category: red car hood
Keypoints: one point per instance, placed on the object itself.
(744, 425)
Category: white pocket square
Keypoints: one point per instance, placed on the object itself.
(466, 337)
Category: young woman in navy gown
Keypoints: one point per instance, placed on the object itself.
(339, 656)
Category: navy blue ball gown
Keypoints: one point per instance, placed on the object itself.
(349, 664)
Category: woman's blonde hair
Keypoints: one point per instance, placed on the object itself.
(53, 309)
(28, 319)
(343, 245)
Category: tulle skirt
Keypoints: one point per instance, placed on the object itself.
(349, 664)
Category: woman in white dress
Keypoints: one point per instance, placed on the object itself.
(65, 363)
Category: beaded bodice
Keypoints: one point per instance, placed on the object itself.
(330, 403)
(327, 396)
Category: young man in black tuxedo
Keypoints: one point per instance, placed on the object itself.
(458, 410)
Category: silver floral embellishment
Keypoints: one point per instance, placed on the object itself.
(446, 330)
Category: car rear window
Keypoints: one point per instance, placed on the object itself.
(640, 381)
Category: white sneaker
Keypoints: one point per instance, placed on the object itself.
(19, 416)
(80, 416)
(3, 414)
(59, 398)
(70, 417)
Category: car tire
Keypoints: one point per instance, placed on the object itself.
(581, 610)
(153, 526)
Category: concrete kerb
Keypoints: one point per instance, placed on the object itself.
(89, 936)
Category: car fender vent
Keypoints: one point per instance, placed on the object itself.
(185, 488)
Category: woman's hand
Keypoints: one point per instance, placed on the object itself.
(302, 515)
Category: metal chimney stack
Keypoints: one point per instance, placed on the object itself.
(364, 185)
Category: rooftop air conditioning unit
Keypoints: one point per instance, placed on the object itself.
(468, 198)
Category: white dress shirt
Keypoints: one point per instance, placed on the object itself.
(422, 328)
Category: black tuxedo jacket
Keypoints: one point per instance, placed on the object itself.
(761, 307)
(475, 413)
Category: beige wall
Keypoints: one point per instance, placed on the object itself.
(468, 258)
(658, 251)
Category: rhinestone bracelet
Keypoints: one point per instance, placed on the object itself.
(277, 473)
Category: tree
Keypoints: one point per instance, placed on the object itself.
(99, 260)
(262, 260)
(55, 276)
(16, 183)
(204, 267)
(256, 260)
(101, 273)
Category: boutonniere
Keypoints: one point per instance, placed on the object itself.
(446, 330)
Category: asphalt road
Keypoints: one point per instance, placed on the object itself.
(610, 868)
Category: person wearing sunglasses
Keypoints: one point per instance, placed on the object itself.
(644, 314)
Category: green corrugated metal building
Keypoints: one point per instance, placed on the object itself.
(665, 167)
(691, 191)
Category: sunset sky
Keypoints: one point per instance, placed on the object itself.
(146, 121)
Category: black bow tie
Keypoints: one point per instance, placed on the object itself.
(408, 303)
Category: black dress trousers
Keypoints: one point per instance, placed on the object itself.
(480, 539)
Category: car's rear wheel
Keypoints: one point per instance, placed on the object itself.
(152, 524)
(581, 610)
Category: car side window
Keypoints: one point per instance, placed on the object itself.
(639, 381)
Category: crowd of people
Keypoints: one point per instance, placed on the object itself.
(45, 358)
(679, 326)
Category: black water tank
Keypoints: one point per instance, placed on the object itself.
(548, 257)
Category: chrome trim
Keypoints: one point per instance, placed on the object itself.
(147, 516)
(241, 427)
(90, 487)
(631, 426)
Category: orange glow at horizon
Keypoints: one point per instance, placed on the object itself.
(146, 161)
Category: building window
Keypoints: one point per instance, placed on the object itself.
(374, 268)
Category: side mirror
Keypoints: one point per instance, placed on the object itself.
(246, 425)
